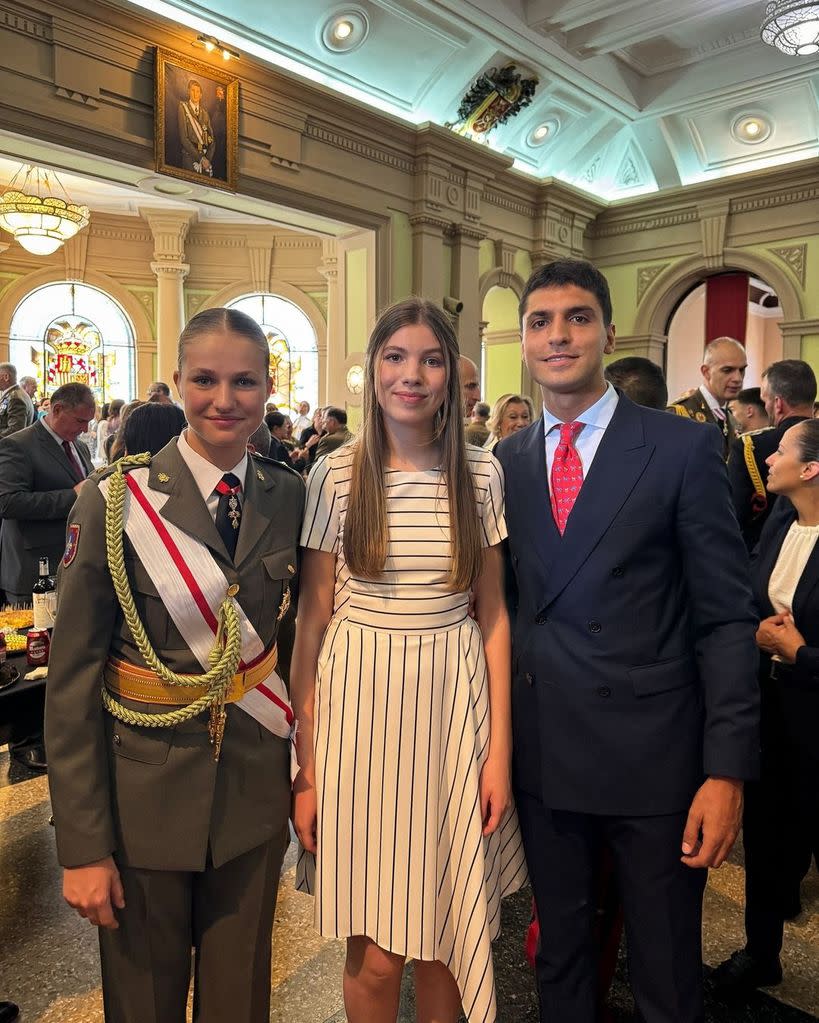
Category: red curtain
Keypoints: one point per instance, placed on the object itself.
(726, 306)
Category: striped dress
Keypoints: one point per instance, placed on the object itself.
(401, 732)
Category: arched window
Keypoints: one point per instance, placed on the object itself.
(72, 333)
(293, 349)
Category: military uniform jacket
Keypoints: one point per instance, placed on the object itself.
(155, 797)
(697, 408)
(753, 514)
(16, 411)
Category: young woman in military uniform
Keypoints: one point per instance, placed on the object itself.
(170, 796)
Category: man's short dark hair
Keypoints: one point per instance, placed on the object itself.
(482, 409)
(73, 396)
(750, 396)
(161, 386)
(338, 414)
(640, 379)
(274, 420)
(569, 271)
(792, 380)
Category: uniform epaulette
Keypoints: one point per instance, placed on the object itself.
(679, 410)
(105, 470)
(273, 463)
(755, 433)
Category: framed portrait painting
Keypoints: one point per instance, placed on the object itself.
(196, 121)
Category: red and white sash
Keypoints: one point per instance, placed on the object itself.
(192, 587)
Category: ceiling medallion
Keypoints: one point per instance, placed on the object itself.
(38, 218)
(344, 30)
(495, 96)
(792, 26)
(751, 129)
(543, 132)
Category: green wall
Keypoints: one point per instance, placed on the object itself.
(503, 371)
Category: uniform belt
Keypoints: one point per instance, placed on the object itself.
(132, 682)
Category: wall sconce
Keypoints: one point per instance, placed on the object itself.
(211, 43)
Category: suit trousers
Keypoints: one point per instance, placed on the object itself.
(662, 903)
(224, 913)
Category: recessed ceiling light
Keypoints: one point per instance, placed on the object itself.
(751, 128)
(541, 132)
(344, 30)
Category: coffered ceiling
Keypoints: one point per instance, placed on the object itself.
(638, 95)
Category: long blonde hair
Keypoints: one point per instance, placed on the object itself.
(366, 527)
(500, 407)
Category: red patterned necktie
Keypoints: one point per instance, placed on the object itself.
(567, 474)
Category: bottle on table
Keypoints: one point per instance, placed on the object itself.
(44, 598)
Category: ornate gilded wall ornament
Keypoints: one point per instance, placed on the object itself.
(493, 98)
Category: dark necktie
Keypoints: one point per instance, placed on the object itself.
(229, 510)
(76, 468)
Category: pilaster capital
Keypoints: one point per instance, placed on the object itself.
(427, 222)
(169, 229)
(170, 270)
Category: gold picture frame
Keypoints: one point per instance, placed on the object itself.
(195, 136)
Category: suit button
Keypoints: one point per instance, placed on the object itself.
(117, 739)
(541, 620)
(594, 626)
(529, 677)
(617, 571)
(603, 691)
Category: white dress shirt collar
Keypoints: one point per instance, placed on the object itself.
(205, 474)
(710, 400)
(598, 415)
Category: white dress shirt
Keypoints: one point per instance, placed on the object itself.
(712, 403)
(796, 548)
(595, 420)
(206, 475)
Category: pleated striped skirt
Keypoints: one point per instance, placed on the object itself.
(401, 734)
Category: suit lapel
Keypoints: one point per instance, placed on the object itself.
(49, 446)
(254, 523)
(764, 565)
(534, 503)
(185, 508)
(808, 581)
(618, 464)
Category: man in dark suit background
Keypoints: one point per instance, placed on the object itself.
(789, 391)
(634, 701)
(42, 469)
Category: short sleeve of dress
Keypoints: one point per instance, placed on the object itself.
(321, 521)
(493, 520)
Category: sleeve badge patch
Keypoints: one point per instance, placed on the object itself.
(72, 544)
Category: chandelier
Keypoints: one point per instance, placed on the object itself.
(792, 26)
(38, 218)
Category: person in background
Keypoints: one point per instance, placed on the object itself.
(639, 379)
(149, 426)
(172, 837)
(302, 421)
(781, 816)
(107, 429)
(335, 432)
(723, 370)
(276, 424)
(117, 448)
(477, 432)
(29, 385)
(470, 384)
(748, 410)
(511, 412)
(159, 392)
(287, 439)
(16, 407)
(788, 391)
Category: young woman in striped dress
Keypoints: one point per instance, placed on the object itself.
(403, 801)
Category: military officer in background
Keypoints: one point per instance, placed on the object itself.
(172, 837)
(16, 407)
(788, 390)
(723, 371)
(196, 132)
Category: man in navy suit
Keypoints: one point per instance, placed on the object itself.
(634, 700)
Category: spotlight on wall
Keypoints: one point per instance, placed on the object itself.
(453, 306)
(211, 43)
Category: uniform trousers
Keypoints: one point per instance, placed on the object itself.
(225, 914)
(662, 903)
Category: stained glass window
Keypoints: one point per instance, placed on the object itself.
(72, 333)
(293, 349)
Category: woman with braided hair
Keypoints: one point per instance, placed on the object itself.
(167, 723)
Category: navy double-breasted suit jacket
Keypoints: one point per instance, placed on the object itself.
(634, 661)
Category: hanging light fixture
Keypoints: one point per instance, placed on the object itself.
(34, 211)
(792, 26)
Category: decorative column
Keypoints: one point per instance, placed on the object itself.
(169, 229)
(466, 287)
(428, 255)
(331, 360)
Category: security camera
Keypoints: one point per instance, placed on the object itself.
(453, 305)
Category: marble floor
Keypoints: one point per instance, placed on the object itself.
(48, 956)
